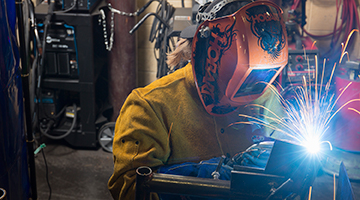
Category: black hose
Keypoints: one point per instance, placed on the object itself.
(26, 93)
(46, 25)
(144, 18)
(45, 132)
(142, 9)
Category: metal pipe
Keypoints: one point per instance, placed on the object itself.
(143, 176)
(147, 181)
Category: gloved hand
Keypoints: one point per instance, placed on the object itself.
(203, 169)
(256, 155)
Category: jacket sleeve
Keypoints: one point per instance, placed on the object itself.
(141, 139)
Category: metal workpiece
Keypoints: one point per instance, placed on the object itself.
(289, 173)
(147, 181)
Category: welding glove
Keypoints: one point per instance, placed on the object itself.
(256, 155)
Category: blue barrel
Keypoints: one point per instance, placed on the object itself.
(14, 177)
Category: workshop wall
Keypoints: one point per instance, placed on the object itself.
(320, 20)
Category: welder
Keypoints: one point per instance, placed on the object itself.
(238, 48)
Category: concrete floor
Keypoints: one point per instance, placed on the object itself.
(73, 173)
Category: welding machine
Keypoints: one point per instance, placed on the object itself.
(78, 6)
(301, 63)
(61, 50)
(81, 5)
(72, 96)
(301, 60)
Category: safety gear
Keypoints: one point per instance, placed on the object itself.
(167, 116)
(236, 57)
(255, 156)
(212, 10)
(202, 169)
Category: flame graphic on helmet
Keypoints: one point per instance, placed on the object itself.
(266, 26)
(219, 43)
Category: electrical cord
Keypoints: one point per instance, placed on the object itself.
(46, 173)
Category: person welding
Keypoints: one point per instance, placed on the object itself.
(198, 112)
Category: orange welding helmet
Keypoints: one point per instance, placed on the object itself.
(236, 57)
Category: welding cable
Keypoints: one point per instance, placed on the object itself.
(350, 20)
(45, 132)
(348, 12)
(36, 48)
(46, 173)
(335, 30)
(46, 26)
(337, 34)
(57, 115)
(159, 33)
(69, 9)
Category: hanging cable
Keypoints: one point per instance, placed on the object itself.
(350, 20)
(159, 32)
(43, 45)
(46, 173)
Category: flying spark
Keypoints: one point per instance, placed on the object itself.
(309, 112)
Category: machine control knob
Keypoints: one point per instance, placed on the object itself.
(299, 67)
(299, 58)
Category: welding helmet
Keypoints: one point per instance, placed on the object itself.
(236, 57)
